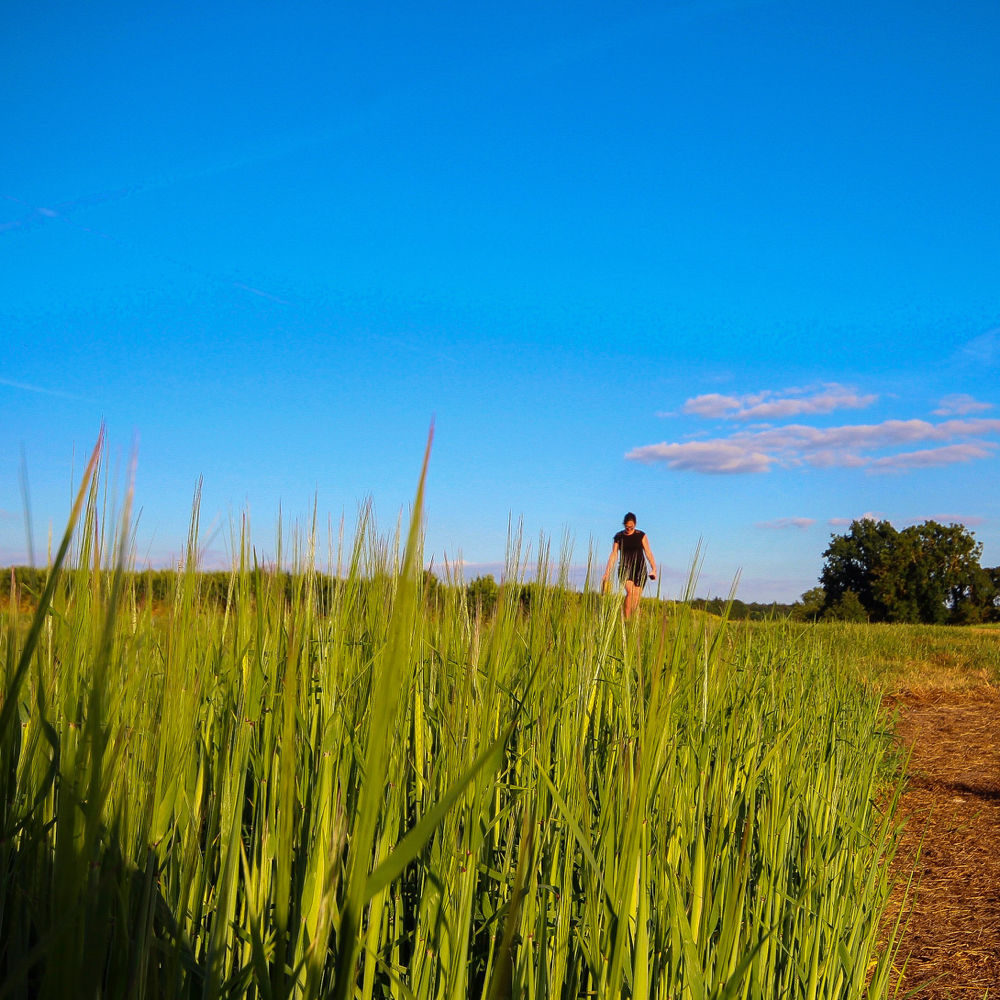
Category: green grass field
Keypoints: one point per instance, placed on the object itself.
(374, 791)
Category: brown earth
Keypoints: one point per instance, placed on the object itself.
(951, 841)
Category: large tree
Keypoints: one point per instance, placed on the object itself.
(857, 563)
(929, 572)
(943, 568)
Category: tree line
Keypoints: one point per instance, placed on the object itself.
(214, 590)
(927, 573)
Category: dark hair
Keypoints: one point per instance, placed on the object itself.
(628, 517)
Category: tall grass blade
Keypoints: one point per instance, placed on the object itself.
(383, 709)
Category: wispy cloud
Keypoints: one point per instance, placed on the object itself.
(262, 294)
(969, 520)
(960, 404)
(844, 446)
(929, 457)
(34, 215)
(983, 350)
(805, 440)
(779, 404)
(704, 456)
(25, 387)
(781, 523)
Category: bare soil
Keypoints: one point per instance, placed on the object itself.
(951, 805)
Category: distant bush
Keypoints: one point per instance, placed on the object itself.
(742, 611)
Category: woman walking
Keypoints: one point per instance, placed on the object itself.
(633, 547)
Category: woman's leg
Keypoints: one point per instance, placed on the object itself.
(633, 594)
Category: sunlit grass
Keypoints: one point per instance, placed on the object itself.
(399, 796)
(896, 659)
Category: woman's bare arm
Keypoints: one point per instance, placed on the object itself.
(649, 556)
(611, 562)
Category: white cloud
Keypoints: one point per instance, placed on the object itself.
(978, 426)
(930, 457)
(704, 456)
(711, 405)
(835, 398)
(960, 404)
(771, 405)
(754, 451)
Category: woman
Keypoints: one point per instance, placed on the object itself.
(634, 549)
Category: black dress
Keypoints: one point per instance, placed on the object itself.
(632, 565)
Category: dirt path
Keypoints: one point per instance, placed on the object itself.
(952, 808)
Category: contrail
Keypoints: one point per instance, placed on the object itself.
(10, 383)
(39, 215)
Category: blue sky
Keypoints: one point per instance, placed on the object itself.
(731, 265)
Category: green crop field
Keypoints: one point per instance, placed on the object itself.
(364, 787)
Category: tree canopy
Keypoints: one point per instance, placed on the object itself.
(927, 573)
